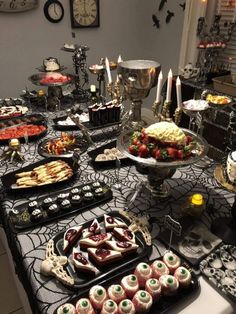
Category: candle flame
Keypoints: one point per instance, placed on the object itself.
(170, 74)
(178, 81)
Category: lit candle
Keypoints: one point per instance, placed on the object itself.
(178, 92)
(108, 71)
(169, 86)
(203, 8)
(159, 85)
(119, 59)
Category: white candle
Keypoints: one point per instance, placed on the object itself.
(169, 86)
(234, 16)
(159, 85)
(119, 59)
(108, 71)
(219, 7)
(178, 92)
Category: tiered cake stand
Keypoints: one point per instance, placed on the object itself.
(54, 89)
(158, 171)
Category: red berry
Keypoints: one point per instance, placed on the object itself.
(180, 154)
(143, 151)
(171, 152)
(133, 149)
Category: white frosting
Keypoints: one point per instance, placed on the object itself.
(83, 306)
(98, 293)
(153, 284)
(126, 306)
(109, 306)
(66, 309)
(144, 269)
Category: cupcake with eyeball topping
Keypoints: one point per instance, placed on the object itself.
(97, 296)
(172, 261)
(142, 301)
(66, 309)
(84, 306)
(183, 276)
(116, 293)
(130, 285)
(126, 307)
(109, 307)
(159, 268)
(143, 272)
(153, 286)
(169, 285)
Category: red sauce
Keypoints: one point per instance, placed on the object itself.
(128, 234)
(98, 237)
(93, 228)
(110, 220)
(102, 253)
(80, 258)
(71, 233)
(124, 245)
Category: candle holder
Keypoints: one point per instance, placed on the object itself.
(13, 153)
(165, 114)
(156, 108)
(110, 89)
(178, 115)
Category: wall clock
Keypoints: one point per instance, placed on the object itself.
(84, 13)
(18, 5)
(53, 11)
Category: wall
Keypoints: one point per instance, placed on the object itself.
(126, 28)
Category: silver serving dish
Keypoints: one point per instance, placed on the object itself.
(158, 171)
(36, 79)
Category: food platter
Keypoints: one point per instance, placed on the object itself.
(219, 268)
(218, 100)
(13, 110)
(199, 152)
(20, 216)
(88, 125)
(21, 128)
(164, 303)
(84, 280)
(124, 161)
(63, 146)
(51, 79)
(9, 179)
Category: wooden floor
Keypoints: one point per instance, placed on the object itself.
(9, 299)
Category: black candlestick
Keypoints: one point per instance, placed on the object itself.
(225, 228)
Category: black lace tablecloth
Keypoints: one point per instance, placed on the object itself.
(28, 248)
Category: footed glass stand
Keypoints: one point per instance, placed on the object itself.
(159, 171)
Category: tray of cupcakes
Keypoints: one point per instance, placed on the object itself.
(57, 206)
(153, 287)
(100, 248)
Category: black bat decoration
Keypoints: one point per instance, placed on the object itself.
(156, 21)
(169, 16)
(183, 5)
(162, 3)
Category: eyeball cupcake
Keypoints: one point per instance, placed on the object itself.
(159, 268)
(143, 272)
(130, 285)
(97, 296)
(183, 276)
(66, 309)
(116, 293)
(169, 285)
(153, 286)
(142, 301)
(84, 306)
(172, 261)
(109, 307)
(126, 307)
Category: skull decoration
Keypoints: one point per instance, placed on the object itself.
(189, 71)
(231, 167)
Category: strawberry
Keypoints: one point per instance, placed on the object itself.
(171, 152)
(143, 151)
(157, 154)
(133, 149)
(189, 139)
(136, 142)
(180, 154)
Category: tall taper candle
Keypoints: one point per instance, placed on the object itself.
(159, 86)
(169, 86)
(179, 93)
(108, 71)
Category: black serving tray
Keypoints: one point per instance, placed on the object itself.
(108, 271)
(88, 125)
(35, 118)
(23, 221)
(9, 179)
(164, 304)
(107, 163)
(212, 273)
(80, 144)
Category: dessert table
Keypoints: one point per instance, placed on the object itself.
(28, 247)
